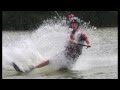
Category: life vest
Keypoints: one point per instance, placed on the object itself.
(75, 50)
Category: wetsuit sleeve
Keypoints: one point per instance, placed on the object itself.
(86, 38)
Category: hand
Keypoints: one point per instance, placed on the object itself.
(75, 42)
(88, 46)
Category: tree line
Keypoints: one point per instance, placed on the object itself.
(30, 20)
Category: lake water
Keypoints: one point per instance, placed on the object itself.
(32, 47)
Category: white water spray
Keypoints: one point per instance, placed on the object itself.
(33, 47)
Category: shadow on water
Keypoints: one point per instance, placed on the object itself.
(73, 74)
(66, 74)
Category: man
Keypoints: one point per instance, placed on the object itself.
(70, 16)
(76, 39)
(73, 50)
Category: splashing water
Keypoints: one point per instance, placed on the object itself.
(32, 47)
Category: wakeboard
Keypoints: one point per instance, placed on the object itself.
(17, 68)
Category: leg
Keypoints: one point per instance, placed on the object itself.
(39, 65)
(42, 64)
(31, 68)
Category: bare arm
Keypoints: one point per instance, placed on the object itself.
(87, 38)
